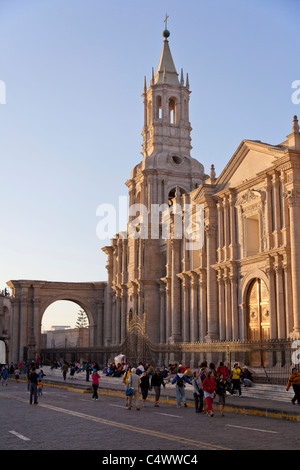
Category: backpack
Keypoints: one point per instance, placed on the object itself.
(180, 381)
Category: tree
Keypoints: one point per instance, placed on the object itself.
(82, 320)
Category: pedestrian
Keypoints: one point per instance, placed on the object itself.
(40, 388)
(180, 380)
(209, 386)
(4, 375)
(134, 383)
(17, 374)
(221, 385)
(95, 383)
(236, 374)
(33, 377)
(126, 377)
(294, 380)
(246, 377)
(223, 369)
(65, 369)
(87, 371)
(145, 386)
(197, 392)
(156, 382)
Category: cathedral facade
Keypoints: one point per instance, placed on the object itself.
(209, 266)
(242, 283)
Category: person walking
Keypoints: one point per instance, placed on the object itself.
(95, 383)
(209, 386)
(134, 383)
(180, 379)
(126, 377)
(156, 382)
(197, 392)
(236, 379)
(33, 377)
(145, 386)
(65, 369)
(4, 375)
(221, 384)
(294, 380)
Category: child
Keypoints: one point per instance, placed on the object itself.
(40, 388)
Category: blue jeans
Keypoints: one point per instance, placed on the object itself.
(198, 402)
(180, 395)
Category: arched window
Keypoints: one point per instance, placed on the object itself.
(159, 107)
(172, 111)
(150, 113)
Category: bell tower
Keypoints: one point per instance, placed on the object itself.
(166, 109)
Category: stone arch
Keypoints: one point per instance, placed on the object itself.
(30, 299)
(89, 312)
(243, 292)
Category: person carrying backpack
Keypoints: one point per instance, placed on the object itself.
(180, 379)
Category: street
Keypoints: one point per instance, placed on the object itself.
(68, 420)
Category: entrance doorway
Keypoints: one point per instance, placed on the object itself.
(258, 318)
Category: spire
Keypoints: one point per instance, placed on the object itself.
(166, 63)
(295, 127)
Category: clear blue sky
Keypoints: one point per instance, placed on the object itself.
(70, 130)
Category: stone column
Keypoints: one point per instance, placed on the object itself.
(220, 231)
(212, 292)
(233, 247)
(276, 206)
(202, 305)
(108, 297)
(284, 210)
(14, 331)
(228, 311)
(226, 227)
(194, 308)
(272, 301)
(288, 295)
(268, 213)
(281, 314)
(168, 309)
(123, 313)
(162, 317)
(175, 286)
(118, 317)
(186, 311)
(294, 211)
(221, 306)
(23, 325)
(234, 306)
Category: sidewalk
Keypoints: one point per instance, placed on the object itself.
(279, 406)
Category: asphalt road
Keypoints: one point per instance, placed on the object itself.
(67, 420)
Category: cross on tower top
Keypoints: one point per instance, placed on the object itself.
(166, 21)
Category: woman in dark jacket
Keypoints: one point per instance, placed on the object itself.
(156, 382)
(145, 386)
(221, 391)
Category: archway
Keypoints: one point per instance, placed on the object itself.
(3, 359)
(65, 324)
(258, 319)
(258, 314)
(30, 299)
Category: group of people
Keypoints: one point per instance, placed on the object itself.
(209, 381)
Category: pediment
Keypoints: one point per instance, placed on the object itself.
(250, 158)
